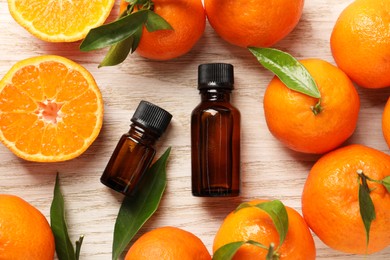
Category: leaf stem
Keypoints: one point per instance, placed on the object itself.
(78, 246)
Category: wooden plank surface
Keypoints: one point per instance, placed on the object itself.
(269, 170)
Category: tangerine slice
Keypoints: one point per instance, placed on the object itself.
(60, 20)
(50, 109)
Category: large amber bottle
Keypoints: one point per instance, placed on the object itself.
(215, 134)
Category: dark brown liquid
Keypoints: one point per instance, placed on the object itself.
(128, 163)
(215, 146)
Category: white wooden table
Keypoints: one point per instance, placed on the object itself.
(269, 170)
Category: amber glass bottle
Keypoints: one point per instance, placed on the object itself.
(215, 134)
(135, 150)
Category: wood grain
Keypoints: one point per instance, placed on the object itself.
(269, 170)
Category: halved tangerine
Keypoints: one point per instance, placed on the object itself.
(60, 20)
(51, 109)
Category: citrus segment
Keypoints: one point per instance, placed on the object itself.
(62, 20)
(50, 109)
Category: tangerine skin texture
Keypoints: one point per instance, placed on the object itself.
(168, 243)
(253, 23)
(255, 224)
(360, 42)
(24, 231)
(290, 119)
(330, 199)
(188, 20)
(386, 122)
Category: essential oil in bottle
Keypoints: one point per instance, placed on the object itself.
(215, 134)
(135, 149)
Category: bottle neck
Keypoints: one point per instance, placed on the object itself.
(143, 135)
(215, 95)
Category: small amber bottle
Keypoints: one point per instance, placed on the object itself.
(135, 150)
(215, 134)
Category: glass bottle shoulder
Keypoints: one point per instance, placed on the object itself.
(140, 135)
(214, 107)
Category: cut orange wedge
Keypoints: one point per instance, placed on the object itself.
(60, 20)
(50, 109)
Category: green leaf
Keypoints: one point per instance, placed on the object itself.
(135, 211)
(136, 39)
(227, 251)
(278, 213)
(255, 243)
(290, 71)
(123, 35)
(367, 209)
(386, 183)
(64, 247)
(114, 32)
(156, 22)
(117, 52)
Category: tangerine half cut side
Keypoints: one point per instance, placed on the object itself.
(51, 109)
(60, 20)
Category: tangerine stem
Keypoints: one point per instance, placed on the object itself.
(364, 179)
(272, 253)
(78, 246)
(317, 108)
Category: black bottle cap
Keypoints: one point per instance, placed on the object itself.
(215, 75)
(152, 117)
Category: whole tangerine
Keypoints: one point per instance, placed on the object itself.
(360, 42)
(253, 23)
(330, 201)
(24, 231)
(251, 223)
(188, 20)
(168, 243)
(291, 118)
